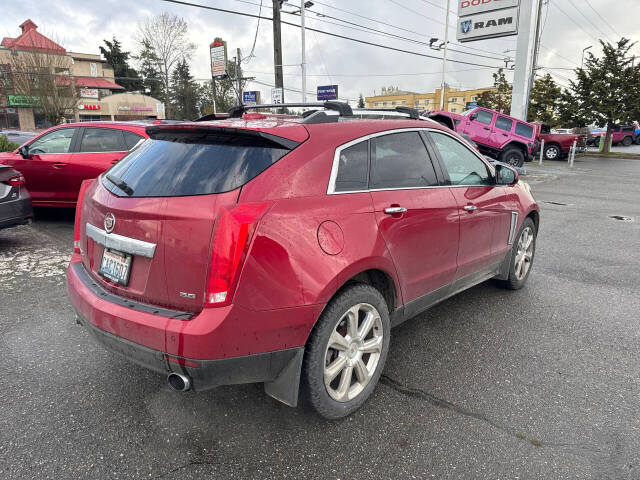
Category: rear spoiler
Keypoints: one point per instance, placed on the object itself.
(215, 133)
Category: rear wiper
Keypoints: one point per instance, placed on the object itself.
(121, 184)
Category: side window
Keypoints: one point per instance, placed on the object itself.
(131, 139)
(57, 141)
(504, 123)
(102, 140)
(353, 168)
(400, 160)
(483, 116)
(524, 130)
(462, 165)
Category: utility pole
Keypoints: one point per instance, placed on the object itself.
(238, 76)
(277, 47)
(444, 57)
(304, 65)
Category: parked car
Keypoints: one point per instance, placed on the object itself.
(621, 134)
(56, 162)
(558, 145)
(263, 249)
(499, 136)
(15, 201)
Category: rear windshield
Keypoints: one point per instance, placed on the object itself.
(181, 164)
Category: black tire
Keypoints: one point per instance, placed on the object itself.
(313, 387)
(637, 142)
(513, 282)
(552, 152)
(512, 156)
(627, 141)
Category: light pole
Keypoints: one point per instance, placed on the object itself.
(584, 50)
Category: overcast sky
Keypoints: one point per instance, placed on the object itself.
(81, 26)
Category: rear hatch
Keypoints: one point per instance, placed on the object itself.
(162, 202)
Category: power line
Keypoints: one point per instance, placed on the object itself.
(344, 37)
(601, 17)
(417, 74)
(573, 21)
(590, 22)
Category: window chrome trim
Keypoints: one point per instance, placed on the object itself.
(120, 243)
(336, 161)
(512, 228)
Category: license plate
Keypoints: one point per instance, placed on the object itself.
(115, 266)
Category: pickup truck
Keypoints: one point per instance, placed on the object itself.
(497, 135)
(557, 145)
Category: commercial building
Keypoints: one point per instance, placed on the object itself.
(99, 96)
(456, 101)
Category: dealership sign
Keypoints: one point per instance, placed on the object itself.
(327, 92)
(251, 98)
(218, 52)
(480, 26)
(471, 7)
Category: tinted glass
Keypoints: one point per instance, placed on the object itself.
(628, 128)
(131, 139)
(463, 166)
(193, 165)
(524, 130)
(102, 140)
(400, 160)
(57, 141)
(504, 124)
(484, 117)
(353, 168)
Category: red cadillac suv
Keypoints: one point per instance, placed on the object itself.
(282, 250)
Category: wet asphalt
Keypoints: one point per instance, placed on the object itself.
(539, 383)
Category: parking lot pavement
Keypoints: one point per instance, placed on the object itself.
(539, 383)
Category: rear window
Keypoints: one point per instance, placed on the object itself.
(524, 130)
(183, 164)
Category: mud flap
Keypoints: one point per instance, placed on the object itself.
(286, 385)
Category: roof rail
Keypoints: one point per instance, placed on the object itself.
(412, 113)
(342, 108)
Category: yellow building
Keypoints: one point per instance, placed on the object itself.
(456, 101)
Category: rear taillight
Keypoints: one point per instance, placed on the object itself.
(233, 232)
(16, 181)
(76, 232)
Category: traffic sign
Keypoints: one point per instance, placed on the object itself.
(276, 95)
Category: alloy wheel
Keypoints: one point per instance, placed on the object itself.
(552, 153)
(524, 254)
(353, 352)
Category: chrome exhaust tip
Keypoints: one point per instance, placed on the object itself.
(179, 382)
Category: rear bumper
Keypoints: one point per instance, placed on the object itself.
(204, 374)
(219, 346)
(16, 212)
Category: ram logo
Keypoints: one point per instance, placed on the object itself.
(493, 23)
(466, 26)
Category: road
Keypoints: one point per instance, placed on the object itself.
(539, 383)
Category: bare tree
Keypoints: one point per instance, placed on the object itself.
(166, 35)
(43, 78)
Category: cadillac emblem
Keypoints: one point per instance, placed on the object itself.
(109, 222)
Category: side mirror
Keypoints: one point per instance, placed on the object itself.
(473, 116)
(506, 175)
(24, 151)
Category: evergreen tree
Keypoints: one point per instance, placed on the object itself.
(148, 63)
(125, 75)
(184, 94)
(544, 101)
(361, 101)
(500, 98)
(607, 89)
(226, 94)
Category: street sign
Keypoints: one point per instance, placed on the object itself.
(471, 7)
(498, 23)
(276, 95)
(327, 92)
(251, 98)
(218, 51)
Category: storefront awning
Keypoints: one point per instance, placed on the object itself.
(97, 82)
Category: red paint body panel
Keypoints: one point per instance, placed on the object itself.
(54, 179)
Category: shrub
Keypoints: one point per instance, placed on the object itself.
(6, 145)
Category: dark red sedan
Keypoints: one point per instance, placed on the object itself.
(56, 162)
(280, 250)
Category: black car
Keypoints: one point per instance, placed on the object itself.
(15, 201)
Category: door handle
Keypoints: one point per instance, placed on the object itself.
(113, 162)
(392, 210)
(486, 128)
(59, 165)
(470, 208)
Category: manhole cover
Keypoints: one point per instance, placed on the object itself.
(622, 218)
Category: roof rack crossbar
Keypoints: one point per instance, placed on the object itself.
(342, 108)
